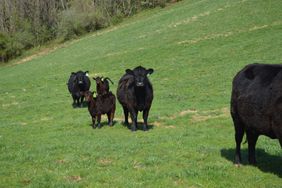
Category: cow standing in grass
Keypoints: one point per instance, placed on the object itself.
(77, 84)
(135, 93)
(256, 106)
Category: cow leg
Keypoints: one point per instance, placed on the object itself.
(109, 118)
(133, 115)
(252, 140)
(125, 111)
(99, 120)
(81, 101)
(73, 103)
(74, 100)
(145, 118)
(77, 102)
(239, 133)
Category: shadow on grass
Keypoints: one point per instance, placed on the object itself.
(83, 105)
(139, 126)
(104, 123)
(265, 161)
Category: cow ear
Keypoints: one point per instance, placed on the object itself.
(128, 71)
(73, 73)
(150, 71)
(86, 73)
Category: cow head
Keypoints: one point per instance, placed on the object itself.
(140, 75)
(79, 77)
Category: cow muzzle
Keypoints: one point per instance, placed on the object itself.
(139, 84)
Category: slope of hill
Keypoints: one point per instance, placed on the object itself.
(195, 47)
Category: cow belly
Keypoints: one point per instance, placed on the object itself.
(254, 115)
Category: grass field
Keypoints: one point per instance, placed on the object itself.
(196, 48)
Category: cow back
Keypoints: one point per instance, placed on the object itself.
(257, 97)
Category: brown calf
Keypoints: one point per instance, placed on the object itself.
(102, 104)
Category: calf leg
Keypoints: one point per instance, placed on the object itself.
(145, 118)
(252, 140)
(133, 115)
(110, 118)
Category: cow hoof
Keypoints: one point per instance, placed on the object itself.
(94, 127)
(133, 130)
(237, 165)
(99, 126)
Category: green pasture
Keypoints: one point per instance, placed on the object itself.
(196, 48)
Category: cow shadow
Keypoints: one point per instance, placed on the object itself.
(104, 124)
(265, 161)
(139, 126)
(83, 105)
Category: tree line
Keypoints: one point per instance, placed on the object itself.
(28, 23)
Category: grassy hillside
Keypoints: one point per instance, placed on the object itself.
(195, 48)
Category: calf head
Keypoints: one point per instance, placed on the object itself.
(99, 85)
(88, 95)
(140, 75)
(102, 85)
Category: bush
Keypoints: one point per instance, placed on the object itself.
(3, 47)
(33, 24)
(74, 23)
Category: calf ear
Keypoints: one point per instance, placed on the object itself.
(150, 71)
(86, 73)
(128, 71)
(94, 78)
(73, 73)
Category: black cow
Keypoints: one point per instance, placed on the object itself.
(77, 84)
(256, 105)
(135, 93)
